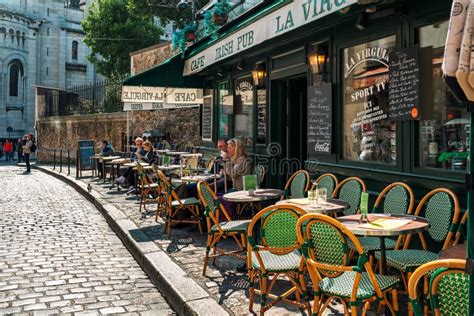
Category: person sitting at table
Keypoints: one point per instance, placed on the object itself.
(237, 163)
(138, 155)
(107, 150)
(149, 157)
(217, 168)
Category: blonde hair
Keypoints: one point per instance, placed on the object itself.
(139, 139)
(239, 148)
(147, 142)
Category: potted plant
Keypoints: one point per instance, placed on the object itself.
(220, 12)
(182, 37)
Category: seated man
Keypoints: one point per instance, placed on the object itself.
(107, 150)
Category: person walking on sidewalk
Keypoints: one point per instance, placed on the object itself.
(27, 151)
(19, 149)
(7, 150)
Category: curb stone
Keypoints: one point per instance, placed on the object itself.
(184, 294)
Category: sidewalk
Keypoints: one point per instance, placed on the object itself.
(177, 263)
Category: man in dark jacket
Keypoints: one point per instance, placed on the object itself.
(107, 150)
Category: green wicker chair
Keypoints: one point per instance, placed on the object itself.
(349, 190)
(441, 208)
(398, 198)
(297, 185)
(175, 205)
(324, 244)
(276, 254)
(217, 230)
(448, 287)
(327, 181)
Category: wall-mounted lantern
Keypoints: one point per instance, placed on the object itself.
(259, 75)
(317, 60)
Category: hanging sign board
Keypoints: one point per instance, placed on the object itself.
(137, 106)
(86, 152)
(206, 121)
(404, 87)
(140, 94)
(287, 18)
(319, 118)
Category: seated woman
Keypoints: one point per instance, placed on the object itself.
(146, 153)
(137, 155)
(237, 163)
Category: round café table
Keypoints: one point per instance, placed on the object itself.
(260, 195)
(415, 224)
(454, 252)
(332, 206)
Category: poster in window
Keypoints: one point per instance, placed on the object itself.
(369, 133)
(206, 122)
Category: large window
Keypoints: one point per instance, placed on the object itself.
(225, 108)
(244, 110)
(74, 49)
(15, 77)
(444, 128)
(368, 133)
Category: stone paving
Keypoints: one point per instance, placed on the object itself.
(186, 247)
(59, 256)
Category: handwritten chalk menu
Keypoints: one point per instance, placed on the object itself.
(320, 118)
(86, 151)
(404, 87)
(261, 116)
(206, 122)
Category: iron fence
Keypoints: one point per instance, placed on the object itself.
(98, 97)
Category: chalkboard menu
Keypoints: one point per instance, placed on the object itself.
(404, 84)
(320, 118)
(86, 151)
(261, 116)
(206, 122)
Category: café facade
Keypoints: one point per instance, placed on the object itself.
(349, 87)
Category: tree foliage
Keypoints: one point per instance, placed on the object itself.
(114, 28)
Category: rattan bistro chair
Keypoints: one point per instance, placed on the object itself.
(149, 190)
(448, 287)
(397, 198)
(349, 190)
(327, 181)
(217, 230)
(461, 231)
(441, 208)
(324, 245)
(297, 185)
(275, 254)
(175, 205)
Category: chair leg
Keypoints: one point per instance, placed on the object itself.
(410, 310)
(263, 290)
(206, 258)
(251, 289)
(395, 300)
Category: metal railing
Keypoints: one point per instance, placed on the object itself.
(98, 97)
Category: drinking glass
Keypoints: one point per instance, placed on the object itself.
(313, 197)
(322, 195)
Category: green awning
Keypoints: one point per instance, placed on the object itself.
(167, 74)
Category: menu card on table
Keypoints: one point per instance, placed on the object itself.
(386, 224)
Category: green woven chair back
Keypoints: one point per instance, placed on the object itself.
(328, 183)
(350, 192)
(452, 295)
(209, 202)
(298, 185)
(396, 201)
(439, 210)
(278, 228)
(260, 173)
(328, 245)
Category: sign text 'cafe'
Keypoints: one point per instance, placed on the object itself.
(289, 17)
(135, 94)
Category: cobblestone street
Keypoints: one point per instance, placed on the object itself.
(59, 256)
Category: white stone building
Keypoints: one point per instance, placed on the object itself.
(41, 44)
